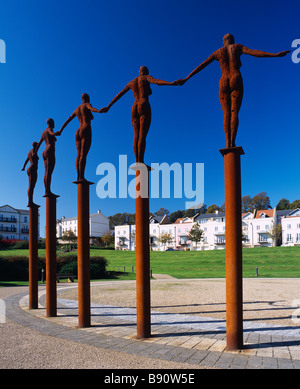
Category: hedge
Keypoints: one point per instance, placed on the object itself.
(13, 268)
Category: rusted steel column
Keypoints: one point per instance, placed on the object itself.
(33, 255)
(51, 303)
(233, 236)
(143, 305)
(83, 252)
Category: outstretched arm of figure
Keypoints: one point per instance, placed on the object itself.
(114, 100)
(25, 163)
(39, 144)
(91, 108)
(159, 82)
(259, 53)
(203, 65)
(65, 124)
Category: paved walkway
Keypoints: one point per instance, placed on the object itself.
(193, 340)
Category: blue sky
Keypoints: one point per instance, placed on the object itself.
(57, 50)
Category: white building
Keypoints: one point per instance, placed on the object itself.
(99, 225)
(257, 230)
(14, 223)
(291, 228)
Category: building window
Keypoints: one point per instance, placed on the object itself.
(216, 228)
(267, 226)
(289, 226)
(263, 238)
(289, 237)
(25, 219)
(258, 227)
(298, 225)
(154, 231)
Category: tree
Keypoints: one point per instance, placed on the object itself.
(175, 215)
(195, 234)
(108, 238)
(162, 212)
(247, 204)
(222, 208)
(261, 201)
(120, 219)
(276, 234)
(295, 204)
(283, 204)
(212, 208)
(165, 238)
(69, 237)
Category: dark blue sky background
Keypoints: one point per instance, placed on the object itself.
(57, 50)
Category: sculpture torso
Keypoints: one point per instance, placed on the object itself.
(84, 115)
(140, 87)
(229, 59)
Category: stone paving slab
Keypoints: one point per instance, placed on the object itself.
(190, 339)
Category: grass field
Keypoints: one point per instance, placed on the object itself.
(271, 262)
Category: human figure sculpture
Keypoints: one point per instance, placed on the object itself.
(48, 136)
(141, 110)
(231, 82)
(83, 136)
(32, 172)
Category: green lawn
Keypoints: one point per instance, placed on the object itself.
(271, 261)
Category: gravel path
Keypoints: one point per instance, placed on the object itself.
(24, 348)
(270, 301)
(265, 300)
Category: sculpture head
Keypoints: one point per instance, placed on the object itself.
(34, 146)
(228, 39)
(85, 98)
(144, 71)
(50, 123)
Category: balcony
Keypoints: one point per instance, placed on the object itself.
(8, 229)
(11, 219)
(220, 239)
(262, 237)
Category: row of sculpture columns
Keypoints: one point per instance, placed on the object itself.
(234, 299)
(231, 95)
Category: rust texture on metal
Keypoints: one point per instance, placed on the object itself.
(83, 250)
(51, 297)
(143, 303)
(33, 255)
(233, 236)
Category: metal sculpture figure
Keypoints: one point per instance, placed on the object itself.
(32, 172)
(231, 83)
(48, 136)
(83, 136)
(141, 110)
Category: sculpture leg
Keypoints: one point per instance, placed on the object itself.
(136, 128)
(236, 102)
(225, 100)
(78, 148)
(32, 182)
(145, 121)
(85, 147)
(49, 167)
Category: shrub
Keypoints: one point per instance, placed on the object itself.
(13, 268)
